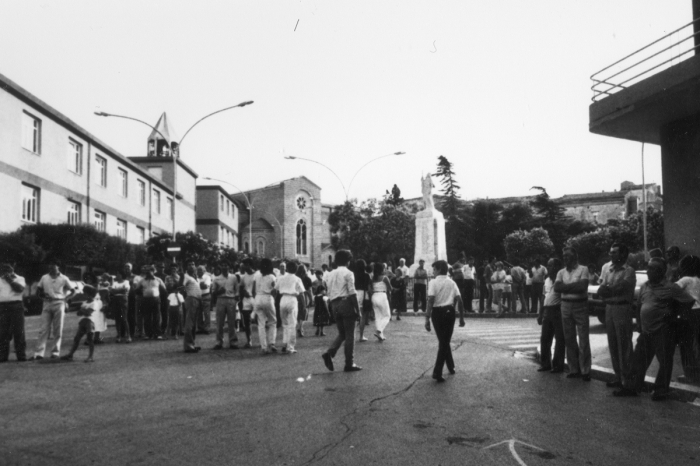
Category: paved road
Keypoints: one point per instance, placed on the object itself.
(149, 403)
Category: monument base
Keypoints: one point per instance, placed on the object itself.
(430, 238)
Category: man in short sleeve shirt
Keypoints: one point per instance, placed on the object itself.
(341, 292)
(572, 283)
(55, 288)
(617, 289)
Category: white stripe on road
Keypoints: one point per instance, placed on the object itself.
(520, 335)
(523, 346)
(506, 333)
(518, 340)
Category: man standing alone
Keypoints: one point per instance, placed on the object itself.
(572, 283)
(617, 289)
(539, 272)
(55, 289)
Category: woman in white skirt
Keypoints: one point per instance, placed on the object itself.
(380, 289)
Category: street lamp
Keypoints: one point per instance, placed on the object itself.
(174, 151)
(250, 209)
(347, 191)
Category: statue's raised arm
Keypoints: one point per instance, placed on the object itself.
(427, 189)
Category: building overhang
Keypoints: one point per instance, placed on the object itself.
(640, 111)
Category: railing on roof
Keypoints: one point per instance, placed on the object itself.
(637, 66)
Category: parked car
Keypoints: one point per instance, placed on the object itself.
(596, 306)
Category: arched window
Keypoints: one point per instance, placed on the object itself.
(301, 237)
(260, 247)
(246, 246)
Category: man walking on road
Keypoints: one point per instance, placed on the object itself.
(617, 289)
(341, 292)
(572, 283)
(55, 289)
(420, 283)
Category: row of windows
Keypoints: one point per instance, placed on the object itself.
(31, 140)
(226, 237)
(227, 206)
(31, 208)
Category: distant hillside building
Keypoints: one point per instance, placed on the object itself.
(217, 216)
(604, 206)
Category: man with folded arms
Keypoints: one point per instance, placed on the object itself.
(617, 289)
(341, 292)
(572, 283)
(11, 313)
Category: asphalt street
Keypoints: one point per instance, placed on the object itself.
(150, 403)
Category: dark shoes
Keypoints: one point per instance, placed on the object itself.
(328, 361)
(557, 370)
(625, 392)
(352, 368)
(233, 346)
(438, 378)
(218, 347)
(586, 377)
(544, 369)
(452, 371)
(659, 395)
(193, 350)
(614, 384)
(573, 375)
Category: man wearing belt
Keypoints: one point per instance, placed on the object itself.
(617, 289)
(152, 291)
(572, 283)
(420, 284)
(193, 305)
(341, 292)
(55, 289)
(11, 313)
(226, 289)
(443, 297)
(204, 317)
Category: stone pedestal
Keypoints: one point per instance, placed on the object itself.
(430, 238)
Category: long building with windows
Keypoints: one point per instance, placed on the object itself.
(54, 171)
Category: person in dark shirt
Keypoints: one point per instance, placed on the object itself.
(658, 303)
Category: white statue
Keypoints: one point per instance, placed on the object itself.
(427, 189)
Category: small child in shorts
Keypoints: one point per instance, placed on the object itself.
(86, 326)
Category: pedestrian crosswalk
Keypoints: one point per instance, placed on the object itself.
(500, 333)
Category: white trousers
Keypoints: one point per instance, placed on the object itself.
(52, 316)
(289, 307)
(264, 309)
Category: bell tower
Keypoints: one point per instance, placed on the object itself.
(162, 139)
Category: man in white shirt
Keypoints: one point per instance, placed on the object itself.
(469, 273)
(248, 302)
(519, 277)
(152, 290)
(402, 267)
(289, 286)
(341, 292)
(443, 298)
(193, 304)
(226, 289)
(11, 313)
(204, 317)
(55, 289)
(572, 283)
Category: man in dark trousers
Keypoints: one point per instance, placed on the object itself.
(420, 283)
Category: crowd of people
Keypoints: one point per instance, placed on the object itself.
(155, 305)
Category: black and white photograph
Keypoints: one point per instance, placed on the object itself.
(291, 233)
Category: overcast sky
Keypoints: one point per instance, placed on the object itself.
(501, 88)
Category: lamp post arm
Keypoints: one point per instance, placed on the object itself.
(324, 166)
(105, 114)
(242, 104)
(373, 160)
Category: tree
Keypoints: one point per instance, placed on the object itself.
(526, 246)
(193, 246)
(487, 238)
(450, 188)
(550, 216)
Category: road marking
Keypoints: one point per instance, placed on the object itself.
(511, 446)
(530, 336)
(524, 346)
(499, 332)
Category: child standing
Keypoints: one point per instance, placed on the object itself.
(86, 326)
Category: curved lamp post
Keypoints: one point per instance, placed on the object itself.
(345, 190)
(176, 152)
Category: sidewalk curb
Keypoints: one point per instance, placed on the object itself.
(687, 392)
